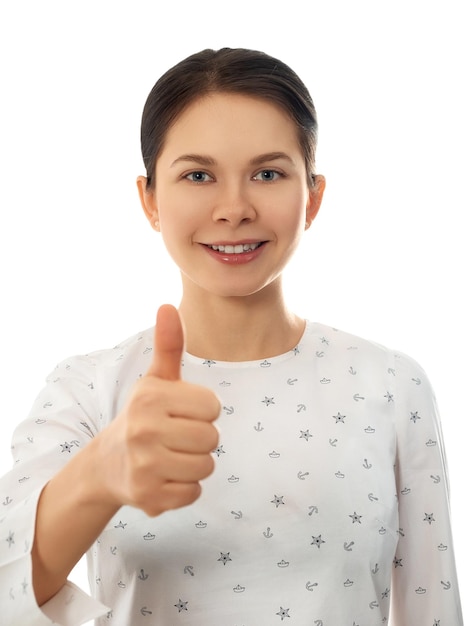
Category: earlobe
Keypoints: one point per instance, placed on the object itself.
(147, 200)
(314, 200)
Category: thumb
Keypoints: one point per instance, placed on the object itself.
(168, 344)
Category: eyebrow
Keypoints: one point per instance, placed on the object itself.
(202, 159)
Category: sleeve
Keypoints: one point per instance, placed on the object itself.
(63, 419)
(425, 588)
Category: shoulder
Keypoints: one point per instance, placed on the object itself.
(131, 353)
(369, 355)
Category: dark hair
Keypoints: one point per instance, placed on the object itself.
(230, 70)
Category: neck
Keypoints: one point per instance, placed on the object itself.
(238, 328)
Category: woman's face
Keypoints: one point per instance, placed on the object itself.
(231, 194)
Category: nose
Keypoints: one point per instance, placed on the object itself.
(233, 205)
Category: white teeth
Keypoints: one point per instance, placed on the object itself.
(238, 249)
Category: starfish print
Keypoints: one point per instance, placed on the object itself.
(296, 350)
(414, 416)
(429, 517)
(389, 396)
(10, 539)
(317, 541)
(225, 557)
(278, 500)
(356, 518)
(208, 362)
(305, 434)
(24, 584)
(66, 447)
(339, 418)
(397, 562)
(181, 606)
(219, 450)
(325, 341)
(283, 613)
(386, 593)
(267, 401)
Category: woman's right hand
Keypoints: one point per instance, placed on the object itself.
(154, 453)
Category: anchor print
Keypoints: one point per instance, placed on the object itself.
(310, 586)
(267, 533)
(189, 569)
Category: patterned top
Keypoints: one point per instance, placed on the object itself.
(329, 493)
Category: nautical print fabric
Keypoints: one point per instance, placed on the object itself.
(329, 499)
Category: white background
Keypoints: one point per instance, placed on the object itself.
(387, 257)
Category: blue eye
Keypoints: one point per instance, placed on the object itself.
(267, 175)
(198, 177)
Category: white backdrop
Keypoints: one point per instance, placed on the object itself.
(387, 257)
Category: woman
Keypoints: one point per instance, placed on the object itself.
(324, 491)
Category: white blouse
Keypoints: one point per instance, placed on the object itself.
(328, 504)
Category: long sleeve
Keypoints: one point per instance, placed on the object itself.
(425, 589)
(63, 419)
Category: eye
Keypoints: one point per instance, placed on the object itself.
(198, 177)
(267, 175)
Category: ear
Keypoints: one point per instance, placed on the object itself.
(147, 200)
(314, 200)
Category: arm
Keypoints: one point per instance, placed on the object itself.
(151, 456)
(425, 588)
(70, 516)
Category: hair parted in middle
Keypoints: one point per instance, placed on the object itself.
(228, 70)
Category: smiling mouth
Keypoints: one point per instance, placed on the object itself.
(236, 249)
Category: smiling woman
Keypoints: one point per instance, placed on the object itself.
(325, 476)
(254, 192)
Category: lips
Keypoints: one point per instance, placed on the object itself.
(238, 248)
(237, 253)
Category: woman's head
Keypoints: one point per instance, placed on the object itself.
(227, 70)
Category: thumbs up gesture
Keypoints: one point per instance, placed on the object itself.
(158, 448)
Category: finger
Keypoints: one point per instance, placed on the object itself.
(168, 344)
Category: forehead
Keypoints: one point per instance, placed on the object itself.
(224, 122)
